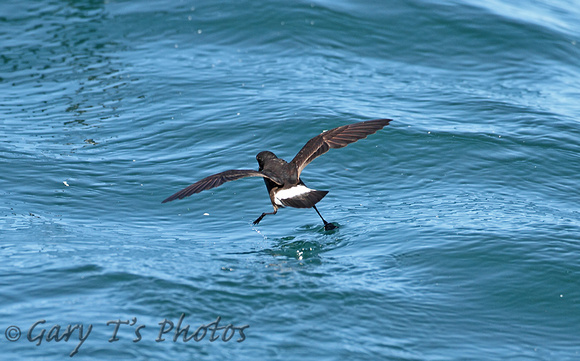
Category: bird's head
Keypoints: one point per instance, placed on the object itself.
(265, 156)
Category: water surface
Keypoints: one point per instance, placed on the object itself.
(459, 222)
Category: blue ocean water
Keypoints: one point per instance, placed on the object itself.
(459, 222)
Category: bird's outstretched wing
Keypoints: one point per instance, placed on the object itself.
(336, 138)
(217, 180)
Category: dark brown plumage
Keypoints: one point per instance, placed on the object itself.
(282, 179)
(213, 181)
(336, 138)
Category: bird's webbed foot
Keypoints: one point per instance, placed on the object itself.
(329, 226)
(259, 219)
(264, 215)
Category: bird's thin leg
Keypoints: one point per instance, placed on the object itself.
(264, 215)
(327, 226)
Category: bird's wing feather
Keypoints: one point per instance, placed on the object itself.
(217, 180)
(336, 138)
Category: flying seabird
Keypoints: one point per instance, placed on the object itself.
(282, 179)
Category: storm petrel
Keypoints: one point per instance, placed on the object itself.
(282, 179)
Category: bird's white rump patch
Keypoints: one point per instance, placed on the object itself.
(291, 193)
